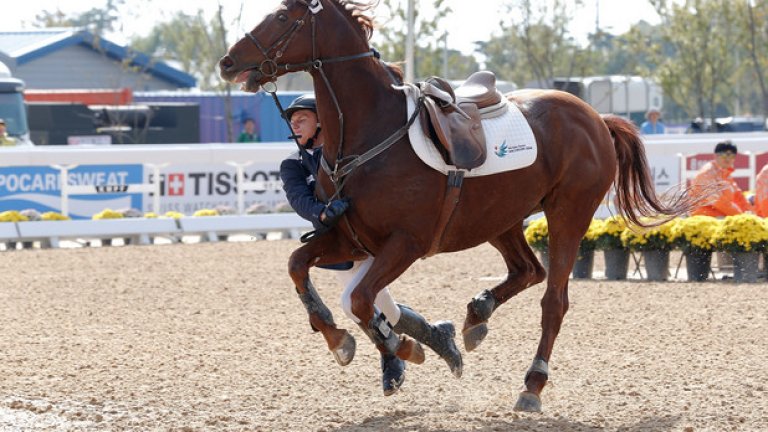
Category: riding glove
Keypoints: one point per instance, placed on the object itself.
(334, 211)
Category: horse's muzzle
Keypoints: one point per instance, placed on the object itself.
(226, 67)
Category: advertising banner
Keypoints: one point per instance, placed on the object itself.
(38, 188)
(188, 188)
(665, 171)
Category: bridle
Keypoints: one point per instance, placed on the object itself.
(270, 66)
(343, 166)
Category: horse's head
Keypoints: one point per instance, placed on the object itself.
(289, 40)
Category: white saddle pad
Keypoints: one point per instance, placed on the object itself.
(510, 140)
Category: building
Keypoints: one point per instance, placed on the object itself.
(259, 107)
(67, 58)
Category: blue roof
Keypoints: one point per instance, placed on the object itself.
(27, 45)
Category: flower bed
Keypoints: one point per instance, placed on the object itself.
(741, 233)
(694, 234)
(537, 234)
(657, 237)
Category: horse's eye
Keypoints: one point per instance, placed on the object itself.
(282, 17)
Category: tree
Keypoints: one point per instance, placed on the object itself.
(625, 54)
(430, 55)
(536, 46)
(97, 20)
(756, 36)
(699, 71)
(196, 44)
(193, 41)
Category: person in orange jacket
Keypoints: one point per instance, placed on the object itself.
(714, 179)
(761, 193)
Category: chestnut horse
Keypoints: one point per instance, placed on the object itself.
(397, 199)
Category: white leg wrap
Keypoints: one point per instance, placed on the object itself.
(384, 301)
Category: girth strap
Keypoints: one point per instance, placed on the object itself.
(451, 200)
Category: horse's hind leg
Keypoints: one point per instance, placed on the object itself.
(524, 270)
(568, 220)
(340, 342)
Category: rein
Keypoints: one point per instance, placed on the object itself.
(343, 166)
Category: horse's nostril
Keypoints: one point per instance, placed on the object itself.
(226, 62)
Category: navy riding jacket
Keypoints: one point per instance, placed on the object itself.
(298, 175)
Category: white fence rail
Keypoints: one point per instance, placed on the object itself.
(143, 231)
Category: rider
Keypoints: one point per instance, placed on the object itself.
(298, 173)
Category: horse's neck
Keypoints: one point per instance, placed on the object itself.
(364, 101)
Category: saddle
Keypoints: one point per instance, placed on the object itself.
(453, 118)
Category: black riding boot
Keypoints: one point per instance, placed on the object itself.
(379, 330)
(392, 373)
(439, 336)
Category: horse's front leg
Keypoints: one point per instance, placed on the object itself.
(322, 250)
(391, 261)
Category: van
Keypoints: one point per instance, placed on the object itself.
(12, 108)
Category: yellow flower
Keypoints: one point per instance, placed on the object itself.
(174, 215)
(53, 216)
(206, 212)
(108, 214)
(695, 232)
(150, 215)
(537, 233)
(609, 235)
(12, 216)
(653, 238)
(589, 241)
(741, 233)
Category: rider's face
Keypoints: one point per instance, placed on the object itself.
(304, 123)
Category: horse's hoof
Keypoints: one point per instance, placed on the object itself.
(345, 351)
(473, 336)
(447, 348)
(528, 402)
(411, 351)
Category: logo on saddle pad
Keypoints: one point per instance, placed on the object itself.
(517, 150)
(504, 150)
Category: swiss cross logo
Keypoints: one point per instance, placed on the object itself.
(176, 184)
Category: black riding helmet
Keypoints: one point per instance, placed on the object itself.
(306, 101)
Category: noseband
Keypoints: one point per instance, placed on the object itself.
(269, 67)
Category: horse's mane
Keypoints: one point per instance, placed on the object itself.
(358, 10)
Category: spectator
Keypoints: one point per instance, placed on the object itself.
(249, 132)
(761, 193)
(653, 124)
(715, 185)
(5, 140)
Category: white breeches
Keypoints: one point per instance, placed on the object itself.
(384, 301)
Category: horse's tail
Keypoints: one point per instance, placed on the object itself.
(635, 193)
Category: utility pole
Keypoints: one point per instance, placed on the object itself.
(597, 17)
(445, 55)
(410, 65)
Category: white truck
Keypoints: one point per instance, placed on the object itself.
(626, 95)
(12, 108)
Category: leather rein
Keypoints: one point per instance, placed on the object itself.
(343, 166)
